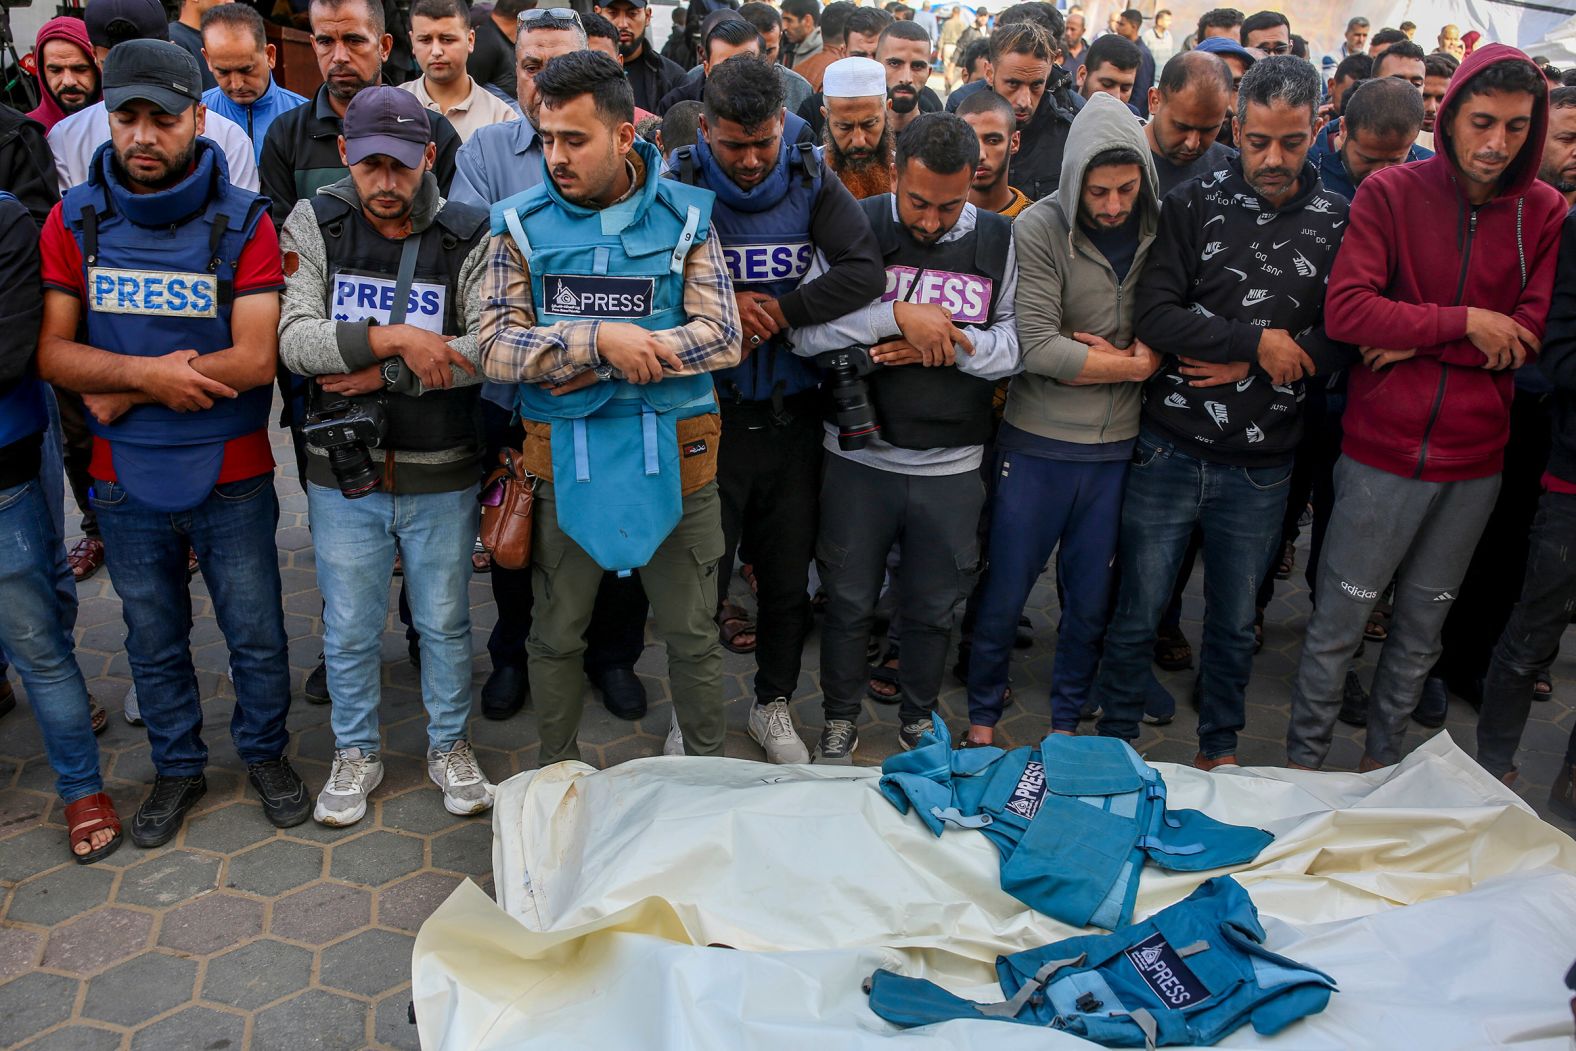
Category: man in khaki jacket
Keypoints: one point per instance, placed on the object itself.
(1072, 414)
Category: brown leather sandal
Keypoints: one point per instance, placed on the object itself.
(86, 816)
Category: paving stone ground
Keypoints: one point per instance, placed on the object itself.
(239, 935)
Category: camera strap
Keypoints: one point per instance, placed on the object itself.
(407, 274)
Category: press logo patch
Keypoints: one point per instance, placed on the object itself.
(1029, 793)
(598, 296)
(751, 264)
(966, 295)
(362, 297)
(156, 293)
(1165, 972)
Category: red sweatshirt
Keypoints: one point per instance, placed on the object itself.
(1416, 256)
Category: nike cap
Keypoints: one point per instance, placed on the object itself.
(386, 120)
(155, 71)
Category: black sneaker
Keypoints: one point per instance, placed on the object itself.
(284, 795)
(838, 741)
(623, 694)
(316, 689)
(911, 733)
(504, 692)
(161, 813)
(1434, 706)
(1354, 702)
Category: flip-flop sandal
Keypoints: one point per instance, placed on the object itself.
(731, 623)
(885, 674)
(481, 559)
(86, 816)
(1542, 687)
(1173, 652)
(1288, 561)
(191, 564)
(99, 717)
(1378, 627)
(747, 571)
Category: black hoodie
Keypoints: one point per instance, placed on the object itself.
(1224, 267)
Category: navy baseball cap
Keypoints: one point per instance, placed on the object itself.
(386, 120)
(1224, 45)
(113, 22)
(155, 71)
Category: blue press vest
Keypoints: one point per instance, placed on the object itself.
(1191, 974)
(765, 235)
(615, 444)
(1074, 819)
(159, 272)
(22, 409)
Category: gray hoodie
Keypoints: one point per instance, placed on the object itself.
(1065, 286)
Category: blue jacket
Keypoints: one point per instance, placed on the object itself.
(1191, 974)
(256, 117)
(159, 271)
(1332, 170)
(1074, 820)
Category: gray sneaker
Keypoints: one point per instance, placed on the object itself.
(909, 736)
(465, 787)
(838, 741)
(343, 800)
(772, 727)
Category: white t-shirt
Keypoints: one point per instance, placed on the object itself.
(74, 141)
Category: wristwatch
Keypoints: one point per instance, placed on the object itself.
(604, 372)
(393, 369)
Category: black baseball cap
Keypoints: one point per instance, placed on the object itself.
(156, 71)
(386, 120)
(112, 22)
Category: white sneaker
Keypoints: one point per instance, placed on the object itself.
(343, 801)
(772, 727)
(465, 787)
(129, 707)
(674, 745)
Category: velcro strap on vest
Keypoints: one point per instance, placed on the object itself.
(648, 441)
(1009, 1008)
(582, 453)
(699, 438)
(686, 239)
(1146, 1021)
(953, 816)
(511, 218)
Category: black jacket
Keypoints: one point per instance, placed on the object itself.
(492, 61)
(26, 167)
(21, 312)
(1224, 267)
(1036, 168)
(301, 154)
(651, 77)
(1557, 360)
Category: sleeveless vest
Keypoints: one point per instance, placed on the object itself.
(160, 276)
(23, 412)
(765, 235)
(614, 444)
(938, 408)
(363, 265)
(1191, 974)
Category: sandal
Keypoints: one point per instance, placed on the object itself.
(399, 564)
(86, 816)
(1378, 626)
(733, 622)
(1288, 561)
(1173, 652)
(481, 558)
(86, 557)
(964, 742)
(747, 571)
(99, 717)
(883, 677)
(1542, 687)
(191, 565)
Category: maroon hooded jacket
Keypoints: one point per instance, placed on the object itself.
(73, 31)
(1416, 255)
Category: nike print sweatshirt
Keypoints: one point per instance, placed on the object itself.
(1226, 265)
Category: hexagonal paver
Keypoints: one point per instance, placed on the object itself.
(316, 1018)
(195, 1027)
(393, 1023)
(18, 950)
(36, 1001)
(211, 923)
(467, 850)
(57, 896)
(228, 829)
(273, 868)
(26, 854)
(76, 1038)
(370, 963)
(97, 940)
(377, 858)
(257, 974)
(321, 914)
(140, 989)
(418, 812)
(408, 903)
(168, 878)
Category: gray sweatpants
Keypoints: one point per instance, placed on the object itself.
(1423, 534)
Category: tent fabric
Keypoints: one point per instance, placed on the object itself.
(1442, 905)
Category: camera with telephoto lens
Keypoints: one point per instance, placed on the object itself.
(345, 429)
(856, 418)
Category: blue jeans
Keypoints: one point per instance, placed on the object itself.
(38, 642)
(52, 479)
(233, 534)
(1239, 509)
(1044, 505)
(434, 534)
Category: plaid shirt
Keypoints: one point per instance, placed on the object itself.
(515, 349)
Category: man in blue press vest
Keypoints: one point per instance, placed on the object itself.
(775, 210)
(175, 275)
(607, 301)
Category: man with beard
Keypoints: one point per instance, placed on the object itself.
(724, 35)
(301, 150)
(650, 75)
(1129, 27)
(242, 60)
(441, 39)
(1438, 69)
(1559, 149)
(1075, 48)
(802, 30)
(990, 116)
(1023, 59)
(1233, 299)
(68, 74)
(904, 53)
(1111, 67)
(384, 231)
(1377, 130)
(940, 338)
(1186, 111)
(858, 135)
(181, 453)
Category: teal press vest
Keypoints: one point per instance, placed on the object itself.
(615, 444)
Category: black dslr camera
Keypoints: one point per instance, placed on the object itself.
(856, 418)
(345, 429)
